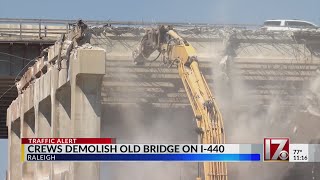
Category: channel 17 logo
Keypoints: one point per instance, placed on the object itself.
(276, 149)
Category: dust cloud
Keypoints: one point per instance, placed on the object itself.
(139, 124)
(244, 123)
(313, 96)
(248, 121)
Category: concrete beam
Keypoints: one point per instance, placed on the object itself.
(59, 103)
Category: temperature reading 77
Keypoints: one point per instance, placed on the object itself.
(297, 151)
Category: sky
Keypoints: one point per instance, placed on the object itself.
(3, 158)
(209, 11)
(191, 11)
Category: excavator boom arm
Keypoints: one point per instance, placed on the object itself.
(207, 114)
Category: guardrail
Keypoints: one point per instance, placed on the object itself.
(32, 27)
(45, 27)
(110, 22)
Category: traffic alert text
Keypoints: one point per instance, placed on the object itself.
(123, 148)
(51, 140)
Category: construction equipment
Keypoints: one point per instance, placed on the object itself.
(174, 50)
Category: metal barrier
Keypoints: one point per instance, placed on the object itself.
(21, 28)
(46, 27)
(127, 23)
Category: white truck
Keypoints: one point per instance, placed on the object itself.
(288, 25)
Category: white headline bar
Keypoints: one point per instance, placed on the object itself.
(137, 148)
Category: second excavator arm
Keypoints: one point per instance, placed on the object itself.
(176, 50)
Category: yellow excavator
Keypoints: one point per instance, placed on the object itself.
(174, 50)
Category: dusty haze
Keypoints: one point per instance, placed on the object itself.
(243, 124)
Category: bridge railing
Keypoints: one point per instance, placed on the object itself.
(127, 23)
(42, 28)
(21, 28)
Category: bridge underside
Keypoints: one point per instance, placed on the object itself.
(276, 67)
(153, 84)
(15, 57)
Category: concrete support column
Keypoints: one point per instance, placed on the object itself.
(14, 134)
(54, 73)
(36, 101)
(63, 128)
(28, 127)
(86, 120)
(44, 129)
(54, 103)
(87, 70)
(15, 166)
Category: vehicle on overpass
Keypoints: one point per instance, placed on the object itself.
(176, 51)
(288, 25)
